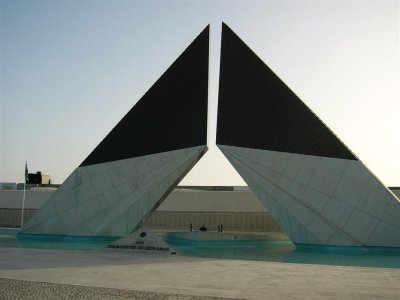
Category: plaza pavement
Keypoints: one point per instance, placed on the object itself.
(121, 275)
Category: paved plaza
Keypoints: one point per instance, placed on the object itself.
(60, 274)
(33, 290)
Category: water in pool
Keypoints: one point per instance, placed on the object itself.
(286, 251)
(9, 238)
(263, 250)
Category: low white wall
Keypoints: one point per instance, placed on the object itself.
(178, 200)
(215, 201)
(33, 199)
(232, 221)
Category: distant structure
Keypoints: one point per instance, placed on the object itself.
(312, 184)
(8, 186)
(36, 178)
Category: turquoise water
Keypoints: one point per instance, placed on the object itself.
(9, 238)
(261, 250)
(287, 252)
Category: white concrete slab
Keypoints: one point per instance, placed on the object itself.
(336, 201)
(110, 190)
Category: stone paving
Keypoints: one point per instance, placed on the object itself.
(32, 290)
(122, 273)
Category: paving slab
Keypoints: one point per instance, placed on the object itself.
(189, 276)
(33, 290)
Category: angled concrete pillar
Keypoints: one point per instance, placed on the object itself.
(141, 160)
(312, 184)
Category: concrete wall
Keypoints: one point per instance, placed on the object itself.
(33, 199)
(178, 200)
(12, 217)
(216, 201)
(236, 210)
(238, 222)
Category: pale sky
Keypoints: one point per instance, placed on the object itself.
(70, 70)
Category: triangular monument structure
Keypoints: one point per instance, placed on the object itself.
(141, 160)
(312, 184)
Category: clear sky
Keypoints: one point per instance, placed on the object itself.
(70, 70)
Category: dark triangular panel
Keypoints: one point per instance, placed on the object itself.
(171, 115)
(257, 110)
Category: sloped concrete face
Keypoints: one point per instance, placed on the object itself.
(320, 200)
(112, 198)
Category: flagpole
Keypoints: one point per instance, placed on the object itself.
(23, 198)
(23, 206)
